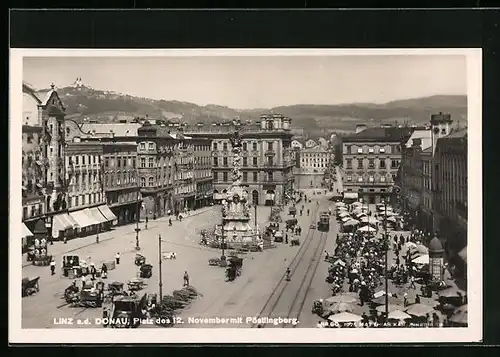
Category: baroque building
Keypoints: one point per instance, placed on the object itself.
(266, 158)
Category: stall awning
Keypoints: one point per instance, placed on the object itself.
(26, 232)
(98, 216)
(107, 213)
(351, 195)
(82, 218)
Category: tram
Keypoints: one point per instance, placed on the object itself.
(324, 222)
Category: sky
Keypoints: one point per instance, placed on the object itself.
(258, 82)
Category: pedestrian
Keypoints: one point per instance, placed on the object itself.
(104, 271)
(65, 240)
(308, 211)
(286, 238)
(186, 278)
(405, 300)
(170, 221)
(84, 281)
(417, 299)
(412, 282)
(288, 274)
(147, 220)
(117, 257)
(92, 271)
(52, 267)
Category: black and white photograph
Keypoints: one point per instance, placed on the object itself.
(227, 191)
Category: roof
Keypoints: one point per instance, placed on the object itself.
(435, 245)
(118, 129)
(391, 134)
(29, 89)
(424, 135)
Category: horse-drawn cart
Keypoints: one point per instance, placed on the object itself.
(139, 259)
(29, 286)
(295, 241)
(136, 284)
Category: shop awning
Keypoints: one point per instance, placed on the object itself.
(82, 218)
(351, 195)
(98, 216)
(107, 213)
(26, 232)
(62, 222)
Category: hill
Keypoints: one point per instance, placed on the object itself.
(106, 106)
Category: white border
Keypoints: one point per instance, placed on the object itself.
(473, 333)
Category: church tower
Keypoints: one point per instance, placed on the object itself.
(440, 126)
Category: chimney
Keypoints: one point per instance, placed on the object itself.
(360, 128)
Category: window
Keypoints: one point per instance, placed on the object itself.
(216, 176)
(254, 161)
(245, 146)
(371, 163)
(360, 150)
(143, 162)
(270, 176)
(151, 181)
(270, 161)
(255, 177)
(151, 162)
(370, 150)
(360, 163)
(348, 163)
(254, 146)
(224, 176)
(270, 146)
(224, 146)
(349, 178)
(119, 163)
(394, 164)
(360, 179)
(216, 161)
(106, 162)
(382, 178)
(371, 179)
(77, 200)
(382, 164)
(151, 146)
(143, 146)
(245, 162)
(382, 150)
(245, 176)
(224, 162)
(215, 146)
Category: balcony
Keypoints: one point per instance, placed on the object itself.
(270, 153)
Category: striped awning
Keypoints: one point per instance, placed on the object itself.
(107, 213)
(26, 232)
(62, 222)
(98, 216)
(82, 218)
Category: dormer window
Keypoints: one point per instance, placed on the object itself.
(382, 150)
(360, 150)
(370, 150)
(360, 179)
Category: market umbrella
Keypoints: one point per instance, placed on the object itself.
(345, 317)
(398, 315)
(367, 229)
(390, 219)
(357, 203)
(419, 310)
(345, 219)
(351, 222)
(410, 245)
(423, 259)
(369, 220)
(339, 262)
(344, 214)
(347, 298)
(391, 308)
(452, 292)
(422, 249)
(392, 300)
(340, 204)
(340, 307)
(459, 316)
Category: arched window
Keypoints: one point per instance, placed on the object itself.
(143, 181)
(151, 181)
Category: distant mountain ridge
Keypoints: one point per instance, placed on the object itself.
(107, 106)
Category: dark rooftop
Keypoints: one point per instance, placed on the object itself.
(391, 134)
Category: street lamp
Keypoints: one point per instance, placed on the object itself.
(160, 284)
(48, 224)
(137, 229)
(386, 248)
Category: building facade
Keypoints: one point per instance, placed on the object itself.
(185, 185)
(203, 171)
(43, 176)
(427, 205)
(120, 181)
(450, 187)
(371, 159)
(266, 158)
(313, 164)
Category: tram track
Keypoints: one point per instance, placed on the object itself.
(275, 297)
